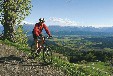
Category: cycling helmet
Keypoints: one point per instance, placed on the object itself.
(41, 20)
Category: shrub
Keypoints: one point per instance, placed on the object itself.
(21, 37)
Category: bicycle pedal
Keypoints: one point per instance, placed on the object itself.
(37, 54)
(36, 50)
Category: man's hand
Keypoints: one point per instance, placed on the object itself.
(50, 36)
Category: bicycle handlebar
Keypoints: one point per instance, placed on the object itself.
(48, 37)
(45, 37)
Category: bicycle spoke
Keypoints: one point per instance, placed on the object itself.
(47, 55)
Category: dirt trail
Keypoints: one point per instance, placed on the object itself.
(14, 62)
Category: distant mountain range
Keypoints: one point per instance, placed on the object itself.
(72, 30)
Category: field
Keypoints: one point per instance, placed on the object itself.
(94, 51)
(76, 55)
(82, 42)
(93, 54)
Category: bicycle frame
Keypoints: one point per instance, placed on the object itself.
(41, 42)
(46, 51)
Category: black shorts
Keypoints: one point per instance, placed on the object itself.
(36, 37)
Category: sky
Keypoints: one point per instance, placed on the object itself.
(96, 13)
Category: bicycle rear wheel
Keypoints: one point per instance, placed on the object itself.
(47, 55)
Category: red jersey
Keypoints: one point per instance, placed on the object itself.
(38, 29)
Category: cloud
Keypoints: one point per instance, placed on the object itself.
(67, 22)
(101, 25)
(63, 22)
(25, 22)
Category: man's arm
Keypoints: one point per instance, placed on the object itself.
(46, 29)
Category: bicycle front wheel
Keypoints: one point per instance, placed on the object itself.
(47, 55)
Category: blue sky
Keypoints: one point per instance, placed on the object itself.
(98, 13)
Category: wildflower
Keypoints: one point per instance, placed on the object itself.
(88, 66)
(93, 67)
(89, 75)
(92, 63)
(97, 68)
(97, 60)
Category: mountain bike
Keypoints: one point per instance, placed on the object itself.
(43, 48)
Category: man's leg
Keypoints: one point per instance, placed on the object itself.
(42, 41)
(37, 46)
(36, 43)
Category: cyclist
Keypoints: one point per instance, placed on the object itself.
(37, 31)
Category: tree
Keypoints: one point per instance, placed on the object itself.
(12, 13)
(21, 37)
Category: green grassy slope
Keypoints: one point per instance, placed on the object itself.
(71, 69)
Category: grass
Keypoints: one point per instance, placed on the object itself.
(98, 69)
(100, 65)
(19, 47)
(71, 69)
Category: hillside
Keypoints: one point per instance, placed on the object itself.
(14, 62)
